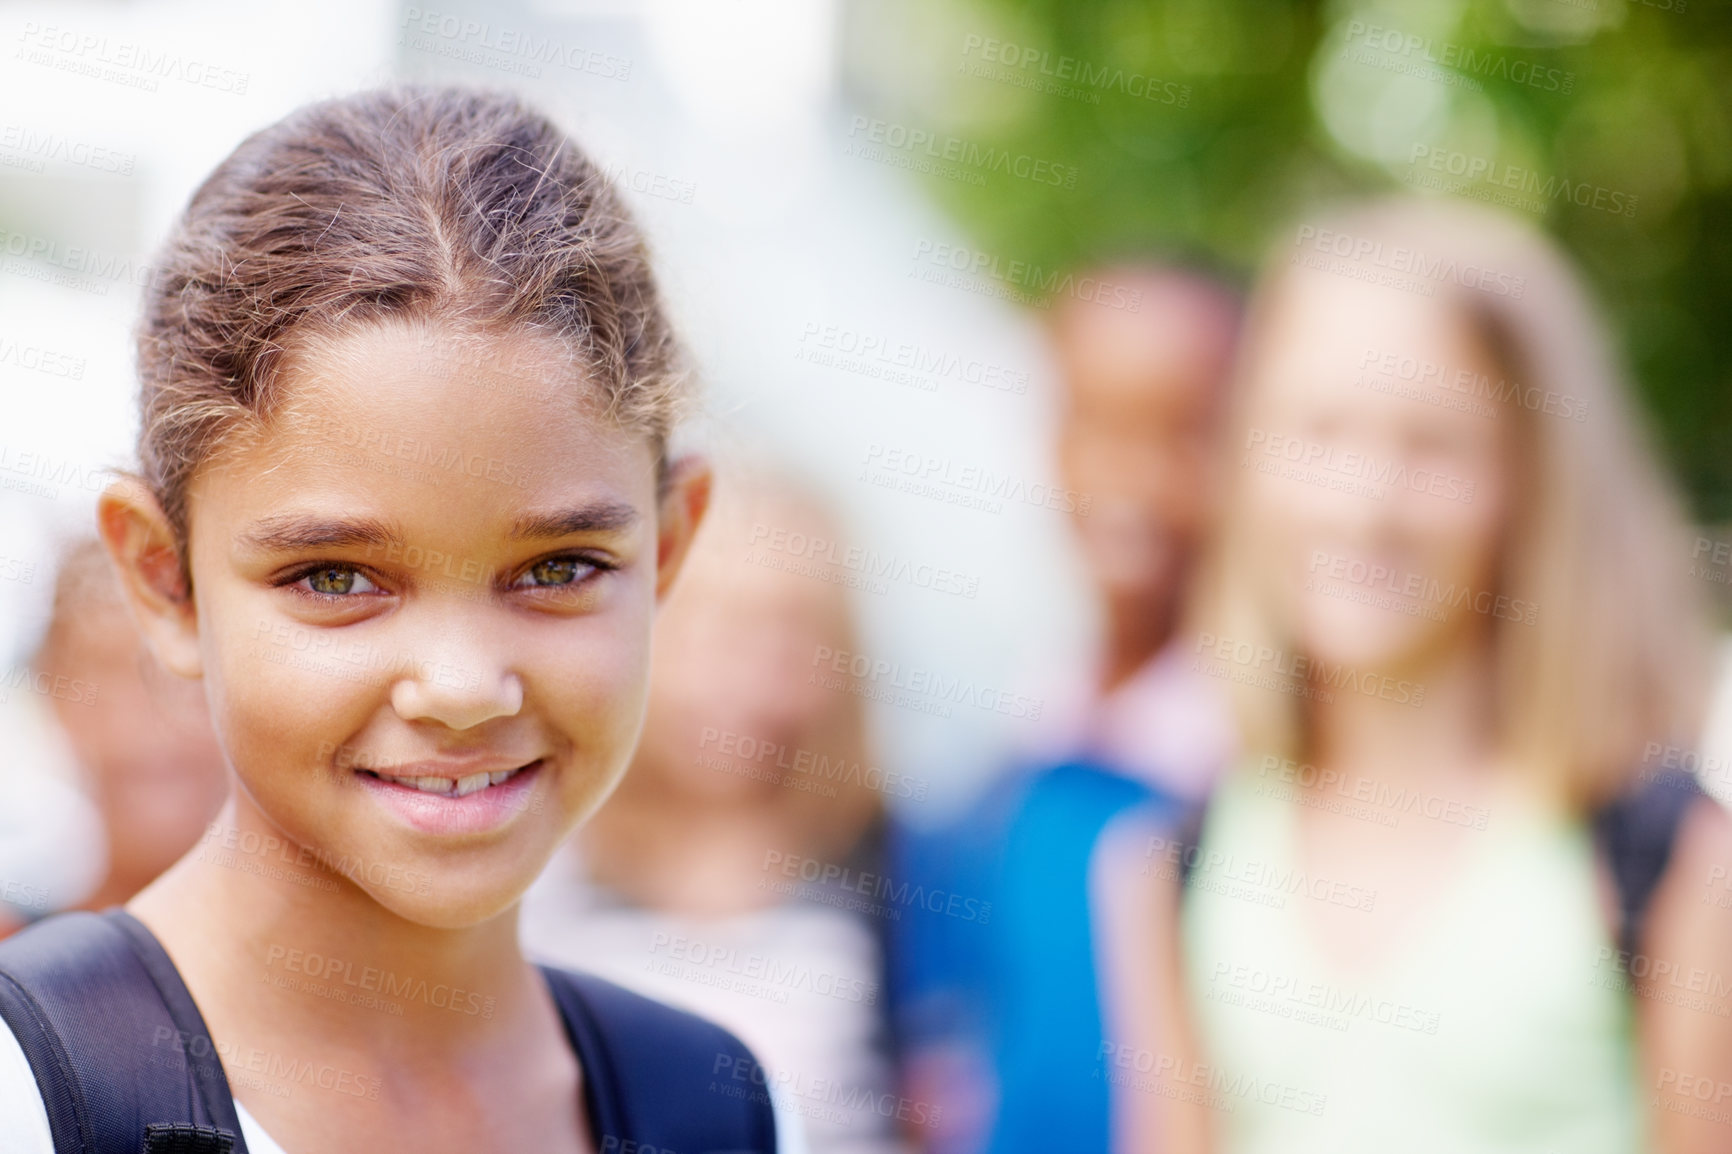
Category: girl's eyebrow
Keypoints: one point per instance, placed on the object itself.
(597, 517)
(289, 531)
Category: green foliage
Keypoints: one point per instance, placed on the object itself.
(1198, 127)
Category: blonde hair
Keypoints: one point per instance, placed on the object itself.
(1617, 656)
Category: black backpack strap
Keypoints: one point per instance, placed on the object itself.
(120, 1052)
(1635, 833)
(661, 1078)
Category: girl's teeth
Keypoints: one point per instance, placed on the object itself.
(453, 787)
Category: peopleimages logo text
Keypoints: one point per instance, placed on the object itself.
(1031, 278)
(1528, 181)
(953, 690)
(90, 55)
(1423, 266)
(1372, 575)
(44, 146)
(1472, 384)
(956, 150)
(864, 561)
(744, 747)
(1081, 73)
(1463, 57)
(512, 42)
(1356, 465)
(1301, 670)
(878, 887)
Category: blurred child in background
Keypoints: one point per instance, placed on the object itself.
(1448, 597)
(115, 770)
(144, 742)
(1008, 1016)
(683, 885)
(1140, 405)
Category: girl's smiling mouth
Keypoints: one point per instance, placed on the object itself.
(451, 784)
(453, 799)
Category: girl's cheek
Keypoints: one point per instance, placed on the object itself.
(599, 692)
(277, 704)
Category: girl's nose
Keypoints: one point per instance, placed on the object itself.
(458, 700)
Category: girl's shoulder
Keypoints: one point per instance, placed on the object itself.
(108, 1031)
(633, 1035)
(94, 997)
(661, 1078)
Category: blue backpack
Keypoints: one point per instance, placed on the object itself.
(108, 1026)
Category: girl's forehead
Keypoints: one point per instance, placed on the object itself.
(504, 395)
(418, 428)
(401, 351)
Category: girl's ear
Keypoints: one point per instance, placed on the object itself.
(682, 511)
(141, 544)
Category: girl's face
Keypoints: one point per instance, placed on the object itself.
(423, 600)
(1377, 502)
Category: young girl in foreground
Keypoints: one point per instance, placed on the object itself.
(406, 509)
(1451, 596)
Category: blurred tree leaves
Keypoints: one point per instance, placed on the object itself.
(1285, 102)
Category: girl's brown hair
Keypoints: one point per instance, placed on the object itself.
(459, 207)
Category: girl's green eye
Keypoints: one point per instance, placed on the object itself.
(336, 581)
(556, 571)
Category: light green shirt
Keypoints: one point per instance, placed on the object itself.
(1500, 1025)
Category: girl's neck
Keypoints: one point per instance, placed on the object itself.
(263, 934)
(1450, 732)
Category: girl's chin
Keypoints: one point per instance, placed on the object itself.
(454, 903)
(1359, 648)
